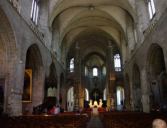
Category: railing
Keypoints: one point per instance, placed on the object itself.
(118, 69)
(39, 109)
(70, 70)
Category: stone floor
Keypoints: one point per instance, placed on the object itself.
(95, 122)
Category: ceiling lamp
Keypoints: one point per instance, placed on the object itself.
(91, 7)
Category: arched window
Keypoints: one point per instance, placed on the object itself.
(72, 65)
(104, 70)
(86, 95)
(95, 72)
(70, 99)
(104, 94)
(35, 11)
(120, 95)
(117, 62)
(86, 71)
(151, 8)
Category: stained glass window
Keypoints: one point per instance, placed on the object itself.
(95, 72)
(35, 11)
(72, 65)
(151, 8)
(117, 62)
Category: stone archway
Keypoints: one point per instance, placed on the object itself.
(34, 63)
(120, 97)
(155, 67)
(7, 65)
(136, 88)
(51, 89)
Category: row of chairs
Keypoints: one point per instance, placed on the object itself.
(47, 121)
(81, 113)
(130, 119)
(101, 114)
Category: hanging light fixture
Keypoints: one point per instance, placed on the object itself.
(91, 7)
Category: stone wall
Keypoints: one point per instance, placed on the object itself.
(24, 36)
(154, 34)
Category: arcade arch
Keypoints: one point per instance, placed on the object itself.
(34, 63)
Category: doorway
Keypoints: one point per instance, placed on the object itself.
(70, 99)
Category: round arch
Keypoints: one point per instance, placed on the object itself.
(156, 74)
(34, 63)
(7, 60)
(136, 88)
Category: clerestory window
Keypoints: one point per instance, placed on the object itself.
(72, 65)
(151, 8)
(35, 11)
(117, 62)
(95, 72)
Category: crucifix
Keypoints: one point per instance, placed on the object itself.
(95, 95)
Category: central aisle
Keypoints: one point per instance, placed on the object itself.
(95, 122)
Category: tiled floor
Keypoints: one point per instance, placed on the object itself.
(95, 122)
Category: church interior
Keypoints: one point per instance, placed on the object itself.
(107, 57)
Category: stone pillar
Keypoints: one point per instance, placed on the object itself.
(58, 93)
(110, 74)
(108, 96)
(127, 93)
(145, 91)
(76, 101)
(113, 100)
(16, 103)
(77, 71)
(132, 101)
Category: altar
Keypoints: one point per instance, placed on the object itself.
(95, 111)
(95, 106)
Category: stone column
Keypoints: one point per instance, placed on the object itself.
(132, 101)
(108, 96)
(145, 91)
(110, 74)
(77, 71)
(127, 93)
(16, 102)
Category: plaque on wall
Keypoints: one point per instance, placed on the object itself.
(51, 92)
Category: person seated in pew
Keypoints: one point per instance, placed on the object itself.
(85, 115)
(159, 123)
(77, 113)
(57, 110)
(52, 110)
(81, 109)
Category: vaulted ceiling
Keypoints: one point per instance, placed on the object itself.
(91, 23)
